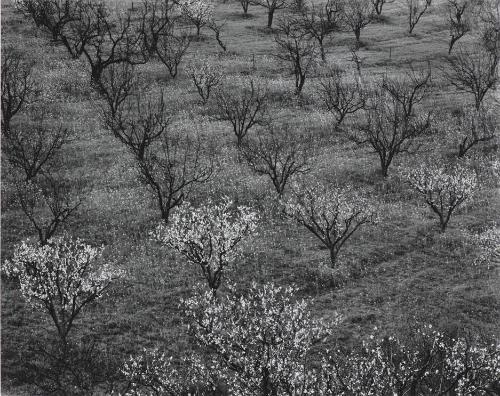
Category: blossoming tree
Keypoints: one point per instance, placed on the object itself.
(208, 236)
(260, 342)
(444, 187)
(60, 278)
(152, 370)
(198, 12)
(431, 363)
(333, 214)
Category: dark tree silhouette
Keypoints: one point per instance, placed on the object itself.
(474, 72)
(297, 49)
(341, 96)
(272, 6)
(320, 24)
(279, 154)
(416, 9)
(18, 86)
(243, 106)
(172, 167)
(356, 15)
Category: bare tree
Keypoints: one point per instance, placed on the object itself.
(117, 83)
(378, 5)
(409, 90)
(460, 13)
(319, 24)
(217, 29)
(117, 40)
(155, 22)
(101, 37)
(356, 15)
(416, 9)
(18, 86)
(56, 17)
(245, 4)
(32, 146)
(392, 122)
(244, 106)
(489, 16)
(474, 72)
(272, 6)
(171, 48)
(205, 78)
(33, 140)
(331, 213)
(278, 153)
(341, 95)
(138, 122)
(470, 128)
(47, 202)
(172, 167)
(297, 49)
(388, 132)
(333, 10)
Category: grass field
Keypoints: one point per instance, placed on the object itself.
(399, 271)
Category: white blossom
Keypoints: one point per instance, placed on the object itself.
(260, 342)
(152, 373)
(429, 364)
(209, 236)
(444, 187)
(60, 277)
(198, 12)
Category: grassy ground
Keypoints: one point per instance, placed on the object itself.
(391, 274)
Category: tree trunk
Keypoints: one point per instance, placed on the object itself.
(239, 140)
(462, 149)
(153, 46)
(357, 33)
(266, 384)
(479, 100)
(442, 224)
(452, 43)
(322, 50)
(270, 16)
(95, 75)
(333, 257)
(340, 118)
(384, 167)
(300, 85)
